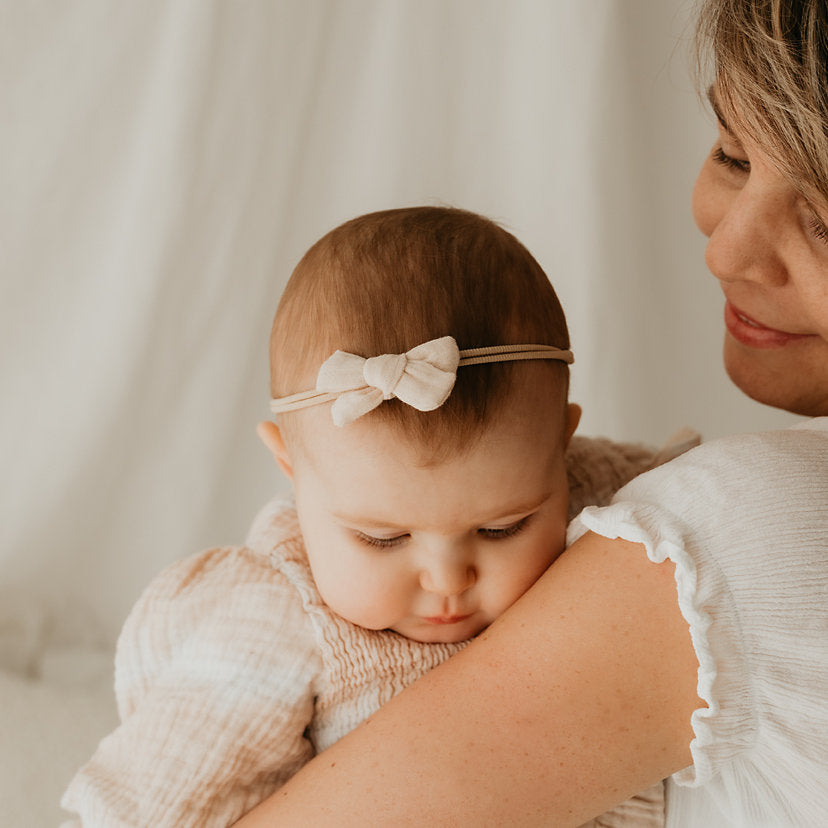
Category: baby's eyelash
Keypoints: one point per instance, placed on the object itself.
(506, 531)
(489, 533)
(381, 543)
(721, 157)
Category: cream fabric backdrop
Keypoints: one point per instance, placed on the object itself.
(165, 163)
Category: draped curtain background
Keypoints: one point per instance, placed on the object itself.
(165, 163)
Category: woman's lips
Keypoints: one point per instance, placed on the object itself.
(751, 333)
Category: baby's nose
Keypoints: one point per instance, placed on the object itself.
(448, 577)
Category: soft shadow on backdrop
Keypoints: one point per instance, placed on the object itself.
(164, 164)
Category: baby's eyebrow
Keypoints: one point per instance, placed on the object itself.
(513, 511)
(526, 507)
(366, 522)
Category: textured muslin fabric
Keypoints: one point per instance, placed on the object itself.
(752, 584)
(231, 673)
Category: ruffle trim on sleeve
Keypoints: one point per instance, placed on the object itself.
(725, 728)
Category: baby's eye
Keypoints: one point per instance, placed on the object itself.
(504, 531)
(382, 543)
(736, 164)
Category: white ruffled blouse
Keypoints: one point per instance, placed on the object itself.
(745, 520)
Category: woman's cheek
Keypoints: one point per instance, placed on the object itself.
(706, 199)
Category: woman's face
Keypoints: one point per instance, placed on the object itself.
(769, 250)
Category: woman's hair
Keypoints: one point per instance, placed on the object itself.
(389, 281)
(769, 60)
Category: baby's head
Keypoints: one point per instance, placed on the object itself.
(430, 523)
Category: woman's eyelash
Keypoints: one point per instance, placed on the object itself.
(721, 157)
(818, 229)
(506, 531)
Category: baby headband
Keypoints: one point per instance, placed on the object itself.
(422, 377)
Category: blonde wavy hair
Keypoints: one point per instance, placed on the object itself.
(767, 62)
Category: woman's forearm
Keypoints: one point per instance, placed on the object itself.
(578, 697)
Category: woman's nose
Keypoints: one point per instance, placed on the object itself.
(448, 574)
(746, 243)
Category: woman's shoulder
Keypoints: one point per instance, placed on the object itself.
(742, 474)
(740, 505)
(793, 443)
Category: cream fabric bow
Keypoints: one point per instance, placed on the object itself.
(422, 377)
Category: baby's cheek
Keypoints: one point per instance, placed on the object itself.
(538, 558)
(358, 596)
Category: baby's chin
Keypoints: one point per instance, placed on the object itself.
(440, 632)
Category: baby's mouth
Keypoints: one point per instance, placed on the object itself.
(445, 619)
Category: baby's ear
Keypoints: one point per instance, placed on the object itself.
(573, 417)
(271, 435)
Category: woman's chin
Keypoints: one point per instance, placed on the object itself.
(790, 379)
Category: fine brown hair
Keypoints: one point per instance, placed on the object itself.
(388, 281)
(767, 63)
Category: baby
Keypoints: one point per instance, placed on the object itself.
(419, 374)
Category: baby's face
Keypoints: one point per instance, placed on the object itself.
(435, 553)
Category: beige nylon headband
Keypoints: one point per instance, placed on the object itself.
(422, 377)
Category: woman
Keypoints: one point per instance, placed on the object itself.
(693, 646)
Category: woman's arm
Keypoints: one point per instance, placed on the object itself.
(578, 697)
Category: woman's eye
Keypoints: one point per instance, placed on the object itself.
(728, 161)
(504, 531)
(382, 543)
(818, 229)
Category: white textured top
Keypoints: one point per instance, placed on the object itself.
(231, 673)
(745, 520)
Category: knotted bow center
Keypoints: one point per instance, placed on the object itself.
(422, 377)
(384, 372)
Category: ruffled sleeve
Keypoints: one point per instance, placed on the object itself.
(215, 672)
(745, 520)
